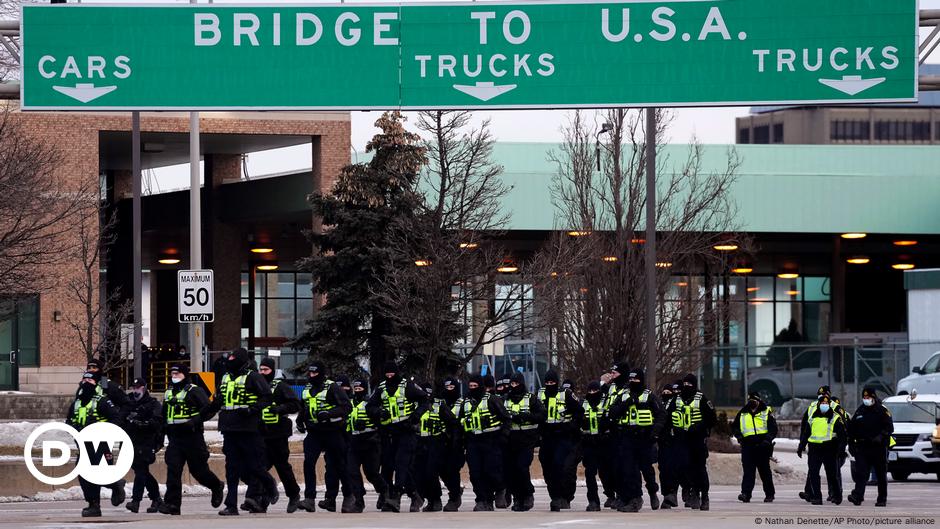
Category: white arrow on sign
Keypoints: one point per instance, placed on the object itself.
(84, 92)
(484, 91)
(852, 84)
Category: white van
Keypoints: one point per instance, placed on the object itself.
(915, 418)
(925, 379)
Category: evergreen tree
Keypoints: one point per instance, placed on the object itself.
(352, 252)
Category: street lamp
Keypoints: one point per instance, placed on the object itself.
(605, 128)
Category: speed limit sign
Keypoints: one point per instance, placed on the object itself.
(195, 294)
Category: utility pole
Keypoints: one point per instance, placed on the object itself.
(195, 233)
(652, 355)
(135, 206)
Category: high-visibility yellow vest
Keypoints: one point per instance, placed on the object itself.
(813, 406)
(556, 407)
(478, 419)
(178, 410)
(359, 421)
(455, 409)
(822, 429)
(234, 394)
(268, 415)
(316, 402)
(757, 424)
(685, 415)
(82, 412)
(398, 406)
(640, 415)
(522, 406)
(430, 424)
(593, 416)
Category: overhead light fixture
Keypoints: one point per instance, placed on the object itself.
(725, 247)
(610, 258)
(664, 264)
(262, 250)
(854, 235)
(861, 259)
(793, 292)
(682, 284)
(903, 266)
(422, 262)
(169, 261)
(469, 245)
(267, 268)
(788, 275)
(753, 289)
(578, 233)
(742, 270)
(638, 241)
(905, 243)
(554, 274)
(508, 269)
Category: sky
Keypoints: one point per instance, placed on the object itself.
(707, 125)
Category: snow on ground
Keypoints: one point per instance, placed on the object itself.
(15, 433)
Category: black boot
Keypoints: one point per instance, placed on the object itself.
(743, 498)
(670, 501)
(292, 502)
(380, 502)
(416, 502)
(434, 505)
(349, 505)
(654, 501)
(154, 506)
(453, 503)
(308, 504)
(228, 511)
(479, 506)
(593, 506)
(608, 503)
(392, 503)
(133, 506)
(216, 496)
(632, 505)
(704, 505)
(528, 503)
(501, 502)
(327, 504)
(251, 505)
(166, 508)
(92, 511)
(117, 493)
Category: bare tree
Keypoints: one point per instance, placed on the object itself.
(596, 306)
(39, 210)
(10, 48)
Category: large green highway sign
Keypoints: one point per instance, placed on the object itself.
(523, 54)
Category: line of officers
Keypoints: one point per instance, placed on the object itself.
(407, 439)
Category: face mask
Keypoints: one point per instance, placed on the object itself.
(233, 366)
(359, 396)
(477, 392)
(178, 379)
(269, 377)
(687, 392)
(314, 380)
(551, 389)
(593, 398)
(752, 405)
(135, 395)
(868, 401)
(824, 408)
(636, 387)
(87, 390)
(518, 389)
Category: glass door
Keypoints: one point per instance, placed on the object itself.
(9, 378)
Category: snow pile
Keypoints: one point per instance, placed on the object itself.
(793, 409)
(15, 433)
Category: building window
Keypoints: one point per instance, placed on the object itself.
(850, 130)
(762, 134)
(902, 130)
(778, 132)
(744, 135)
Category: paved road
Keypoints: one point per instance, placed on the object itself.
(907, 500)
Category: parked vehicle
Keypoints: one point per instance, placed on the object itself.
(915, 423)
(925, 379)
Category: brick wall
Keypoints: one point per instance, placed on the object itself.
(76, 136)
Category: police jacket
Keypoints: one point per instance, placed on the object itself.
(572, 410)
(824, 430)
(274, 419)
(85, 412)
(143, 421)
(595, 422)
(113, 391)
(324, 407)
(482, 417)
(871, 426)
(405, 422)
(639, 414)
(754, 427)
(239, 408)
(436, 420)
(691, 417)
(182, 409)
(526, 413)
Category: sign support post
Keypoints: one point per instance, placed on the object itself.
(196, 338)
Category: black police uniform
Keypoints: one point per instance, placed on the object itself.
(393, 406)
(243, 394)
(869, 433)
(365, 449)
(825, 436)
(435, 420)
(333, 474)
(186, 445)
(558, 453)
(669, 477)
(91, 406)
(276, 429)
(755, 428)
(692, 418)
(594, 432)
(143, 422)
(323, 413)
(526, 414)
(455, 452)
(482, 417)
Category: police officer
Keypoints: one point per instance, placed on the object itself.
(276, 429)
(502, 391)
(558, 453)
(393, 406)
(870, 432)
(323, 415)
(836, 406)
(92, 405)
(182, 403)
(668, 476)
(455, 455)
(243, 394)
(526, 413)
(435, 419)
(612, 383)
(143, 422)
(112, 390)
(482, 417)
(825, 435)
(755, 428)
(693, 417)
(594, 430)
(332, 473)
(365, 450)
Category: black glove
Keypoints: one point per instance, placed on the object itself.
(244, 412)
(799, 452)
(323, 416)
(853, 449)
(301, 427)
(385, 415)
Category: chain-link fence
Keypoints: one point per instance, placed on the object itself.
(781, 372)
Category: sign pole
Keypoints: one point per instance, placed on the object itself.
(651, 356)
(195, 235)
(135, 186)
